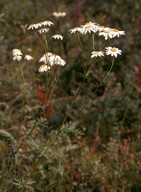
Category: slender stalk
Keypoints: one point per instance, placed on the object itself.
(90, 100)
(29, 134)
(46, 43)
(39, 40)
(21, 71)
(93, 41)
(76, 95)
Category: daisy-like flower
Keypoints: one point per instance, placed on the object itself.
(34, 26)
(58, 36)
(107, 33)
(52, 59)
(17, 58)
(45, 58)
(16, 52)
(75, 30)
(46, 23)
(113, 51)
(43, 68)
(117, 33)
(97, 54)
(59, 14)
(89, 28)
(43, 30)
(101, 28)
(28, 57)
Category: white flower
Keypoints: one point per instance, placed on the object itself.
(45, 58)
(52, 59)
(17, 55)
(113, 51)
(17, 58)
(116, 32)
(43, 68)
(107, 33)
(16, 52)
(97, 54)
(75, 29)
(101, 28)
(43, 30)
(28, 57)
(40, 24)
(57, 36)
(34, 26)
(59, 14)
(46, 23)
(89, 28)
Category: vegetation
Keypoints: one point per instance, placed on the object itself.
(70, 116)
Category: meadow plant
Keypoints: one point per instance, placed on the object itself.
(63, 159)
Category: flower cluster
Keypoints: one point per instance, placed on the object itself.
(109, 51)
(41, 26)
(17, 55)
(50, 59)
(92, 27)
(107, 32)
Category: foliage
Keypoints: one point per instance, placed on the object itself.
(73, 130)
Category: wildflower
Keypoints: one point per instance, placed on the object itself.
(40, 24)
(75, 29)
(17, 58)
(41, 97)
(17, 52)
(101, 28)
(113, 51)
(28, 57)
(34, 26)
(43, 30)
(107, 33)
(88, 28)
(45, 57)
(52, 59)
(59, 14)
(58, 37)
(97, 54)
(46, 23)
(116, 32)
(43, 68)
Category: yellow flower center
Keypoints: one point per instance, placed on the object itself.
(101, 26)
(106, 31)
(88, 23)
(43, 65)
(116, 30)
(113, 49)
(87, 26)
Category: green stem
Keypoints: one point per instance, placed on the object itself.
(93, 41)
(76, 95)
(21, 71)
(39, 40)
(26, 137)
(90, 100)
